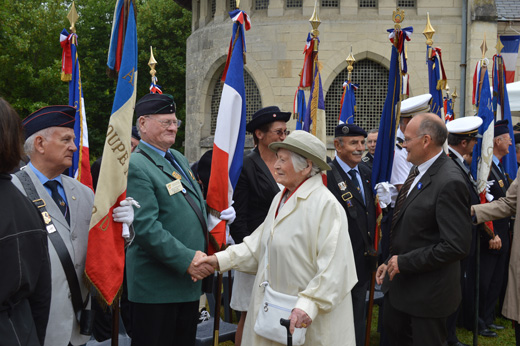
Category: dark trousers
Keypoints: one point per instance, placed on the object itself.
(407, 330)
(492, 274)
(359, 306)
(517, 333)
(171, 324)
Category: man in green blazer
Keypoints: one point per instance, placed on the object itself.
(163, 285)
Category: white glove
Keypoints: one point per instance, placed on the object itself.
(387, 194)
(489, 196)
(228, 215)
(125, 214)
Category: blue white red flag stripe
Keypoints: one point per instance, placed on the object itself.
(105, 253)
(348, 103)
(228, 147)
(384, 155)
(510, 55)
(80, 169)
(115, 49)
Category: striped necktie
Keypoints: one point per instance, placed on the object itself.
(401, 197)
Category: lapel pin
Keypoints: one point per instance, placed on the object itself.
(419, 186)
(74, 197)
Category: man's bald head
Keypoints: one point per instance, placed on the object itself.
(431, 124)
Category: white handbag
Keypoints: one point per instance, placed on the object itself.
(275, 306)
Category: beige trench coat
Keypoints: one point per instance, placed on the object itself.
(310, 256)
(505, 207)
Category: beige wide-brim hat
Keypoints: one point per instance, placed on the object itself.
(305, 144)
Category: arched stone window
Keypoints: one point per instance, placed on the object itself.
(253, 99)
(372, 79)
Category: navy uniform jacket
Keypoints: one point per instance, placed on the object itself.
(361, 217)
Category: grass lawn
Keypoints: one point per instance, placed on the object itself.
(505, 337)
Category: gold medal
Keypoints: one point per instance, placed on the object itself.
(176, 175)
(46, 218)
(501, 183)
(191, 174)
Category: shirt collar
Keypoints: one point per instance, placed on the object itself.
(41, 177)
(423, 167)
(458, 156)
(346, 168)
(157, 150)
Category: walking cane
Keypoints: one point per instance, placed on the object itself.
(287, 324)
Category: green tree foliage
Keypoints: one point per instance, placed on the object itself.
(30, 56)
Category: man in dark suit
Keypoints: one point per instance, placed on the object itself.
(494, 253)
(349, 181)
(462, 137)
(431, 233)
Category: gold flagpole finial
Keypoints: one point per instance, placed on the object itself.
(483, 47)
(315, 20)
(73, 18)
(152, 62)
(238, 4)
(428, 32)
(398, 18)
(350, 61)
(499, 46)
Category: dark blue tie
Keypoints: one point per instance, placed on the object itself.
(353, 176)
(53, 185)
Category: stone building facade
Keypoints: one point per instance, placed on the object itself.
(277, 38)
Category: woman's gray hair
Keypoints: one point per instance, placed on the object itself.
(28, 146)
(300, 163)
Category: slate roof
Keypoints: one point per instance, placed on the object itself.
(508, 10)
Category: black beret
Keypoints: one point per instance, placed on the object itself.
(50, 116)
(155, 104)
(265, 116)
(517, 138)
(349, 130)
(135, 133)
(516, 127)
(501, 127)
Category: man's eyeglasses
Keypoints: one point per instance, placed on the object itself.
(280, 132)
(408, 140)
(167, 123)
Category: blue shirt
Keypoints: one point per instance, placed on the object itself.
(43, 179)
(163, 154)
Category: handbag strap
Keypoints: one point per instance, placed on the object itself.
(57, 242)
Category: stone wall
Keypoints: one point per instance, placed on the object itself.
(277, 38)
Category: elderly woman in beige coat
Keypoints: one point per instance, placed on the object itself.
(310, 255)
(501, 208)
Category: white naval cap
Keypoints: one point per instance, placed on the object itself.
(465, 126)
(415, 105)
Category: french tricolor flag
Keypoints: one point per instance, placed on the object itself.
(230, 133)
(510, 55)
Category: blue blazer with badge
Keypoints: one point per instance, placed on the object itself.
(167, 231)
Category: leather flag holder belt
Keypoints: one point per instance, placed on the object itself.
(83, 316)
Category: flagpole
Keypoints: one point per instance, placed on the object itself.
(315, 23)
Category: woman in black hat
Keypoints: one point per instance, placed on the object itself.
(254, 192)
